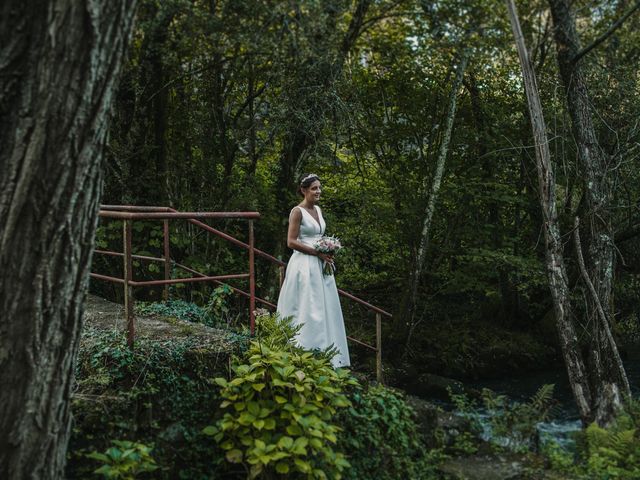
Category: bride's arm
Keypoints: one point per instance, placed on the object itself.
(295, 218)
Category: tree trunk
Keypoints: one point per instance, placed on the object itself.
(58, 64)
(608, 377)
(433, 190)
(556, 270)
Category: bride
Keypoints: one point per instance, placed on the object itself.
(307, 295)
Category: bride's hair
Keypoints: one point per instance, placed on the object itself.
(306, 181)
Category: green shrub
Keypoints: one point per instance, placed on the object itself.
(175, 309)
(216, 312)
(125, 460)
(159, 392)
(217, 306)
(278, 408)
(602, 453)
(381, 439)
(613, 452)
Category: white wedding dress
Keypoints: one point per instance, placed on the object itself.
(311, 297)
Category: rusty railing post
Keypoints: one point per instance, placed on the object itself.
(281, 274)
(379, 347)
(252, 280)
(167, 259)
(128, 277)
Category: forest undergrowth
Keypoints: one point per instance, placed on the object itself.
(172, 409)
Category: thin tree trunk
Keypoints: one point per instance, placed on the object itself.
(556, 270)
(433, 191)
(58, 65)
(602, 314)
(609, 379)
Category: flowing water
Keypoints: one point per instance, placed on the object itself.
(566, 420)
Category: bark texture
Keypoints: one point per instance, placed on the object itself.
(556, 270)
(607, 376)
(58, 65)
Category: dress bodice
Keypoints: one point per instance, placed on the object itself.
(310, 229)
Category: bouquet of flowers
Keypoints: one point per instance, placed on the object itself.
(330, 246)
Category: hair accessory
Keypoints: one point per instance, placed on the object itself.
(311, 175)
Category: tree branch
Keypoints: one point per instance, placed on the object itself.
(604, 318)
(355, 26)
(606, 34)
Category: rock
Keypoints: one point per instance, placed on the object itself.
(485, 467)
(434, 386)
(174, 433)
(438, 427)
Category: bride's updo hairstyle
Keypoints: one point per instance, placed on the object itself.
(306, 181)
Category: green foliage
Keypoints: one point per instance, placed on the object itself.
(559, 459)
(174, 308)
(513, 424)
(603, 453)
(278, 408)
(215, 313)
(158, 393)
(614, 452)
(125, 460)
(274, 332)
(217, 306)
(381, 438)
(466, 443)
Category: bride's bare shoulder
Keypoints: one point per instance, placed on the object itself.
(295, 213)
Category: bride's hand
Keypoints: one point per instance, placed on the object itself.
(326, 257)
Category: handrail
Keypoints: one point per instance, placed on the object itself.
(128, 213)
(278, 262)
(170, 215)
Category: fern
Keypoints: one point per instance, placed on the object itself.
(613, 453)
(542, 400)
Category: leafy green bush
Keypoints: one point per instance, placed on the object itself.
(177, 309)
(215, 313)
(217, 306)
(279, 406)
(125, 460)
(159, 392)
(381, 438)
(611, 453)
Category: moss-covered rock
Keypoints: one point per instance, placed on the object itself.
(158, 394)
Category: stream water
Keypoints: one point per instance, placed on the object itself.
(566, 419)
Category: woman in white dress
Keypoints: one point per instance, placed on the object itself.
(307, 295)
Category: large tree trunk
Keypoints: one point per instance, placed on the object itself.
(608, 378)
(58, 65)
(556, 270)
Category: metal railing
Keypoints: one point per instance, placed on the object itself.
(130, 213)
